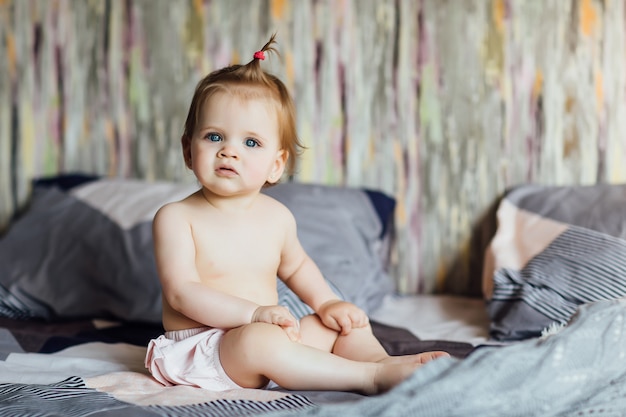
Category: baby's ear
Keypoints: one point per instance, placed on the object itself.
(282, 156)
(186, 144)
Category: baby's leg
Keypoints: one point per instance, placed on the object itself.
(254, 353)
(359, 345)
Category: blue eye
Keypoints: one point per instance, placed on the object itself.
(213, 137)
(252, 143)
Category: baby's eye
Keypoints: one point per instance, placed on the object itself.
(252, 143)
(213, 137)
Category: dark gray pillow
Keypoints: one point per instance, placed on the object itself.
(555, 249)
(84, 248)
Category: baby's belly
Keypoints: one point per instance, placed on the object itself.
(261, 291)
(174, 320)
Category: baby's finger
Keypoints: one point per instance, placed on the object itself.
(358, 320)
(293, 332)
(332, 323)
(346, 325)
(282, 320)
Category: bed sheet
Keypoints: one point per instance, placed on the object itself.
(581, 370)
(52, 365)
(437, 317)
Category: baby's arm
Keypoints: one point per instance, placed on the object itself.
(304, 278)
(175, 258)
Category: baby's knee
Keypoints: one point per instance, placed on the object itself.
(311, 320)
(256, 334)
(315, 333)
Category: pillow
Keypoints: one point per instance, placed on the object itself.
(84, 247)
(343, 232)
(555, 248)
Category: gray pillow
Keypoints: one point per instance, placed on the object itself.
(84, 247)
(555, 249)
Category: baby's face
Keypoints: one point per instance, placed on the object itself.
(236, 147)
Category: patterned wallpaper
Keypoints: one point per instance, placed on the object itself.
(441, 103)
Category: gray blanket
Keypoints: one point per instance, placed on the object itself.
(579, 371)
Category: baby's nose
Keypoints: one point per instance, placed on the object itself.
(228, 151)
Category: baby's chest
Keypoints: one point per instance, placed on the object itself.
(226, 251)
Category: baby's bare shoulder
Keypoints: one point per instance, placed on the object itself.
(176, 211)
(270, 200)
(274, 207)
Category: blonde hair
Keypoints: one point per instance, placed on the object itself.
(250, 81)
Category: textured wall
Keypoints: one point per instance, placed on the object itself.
(441, 103)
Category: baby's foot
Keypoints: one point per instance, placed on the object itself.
(391, 374)
(419, 358)
(392, 370)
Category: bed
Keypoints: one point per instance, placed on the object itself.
(79, 300)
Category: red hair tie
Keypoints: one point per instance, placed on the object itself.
(259, 55)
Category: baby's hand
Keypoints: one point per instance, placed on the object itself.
(342, 316)
(279, 316)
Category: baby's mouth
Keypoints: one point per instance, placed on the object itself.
(227, 171)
